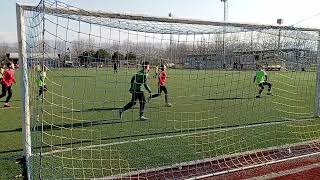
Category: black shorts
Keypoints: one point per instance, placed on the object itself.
(44, 88)
(263, 84)
(162, 88)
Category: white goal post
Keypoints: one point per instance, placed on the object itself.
(73, 129)
(26, 124)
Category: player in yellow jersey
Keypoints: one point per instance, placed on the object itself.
(156, 71)
(1, 75)
(1, 70)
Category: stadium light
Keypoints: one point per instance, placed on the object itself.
(279, 22)
(225, 19)
(225, 10)
(170, 43)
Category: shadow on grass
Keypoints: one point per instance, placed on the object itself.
(10, 151)
(93, 110)
(11, 130)
(102, 109)
(17, 100)
(20, 161)
(66, 76)
(73, 125)
(161, 133)
(228, 98)
(79, 124)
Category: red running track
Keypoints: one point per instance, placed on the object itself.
(265, 164)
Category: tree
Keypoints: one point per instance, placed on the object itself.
(102, 55)
(3, 51)
(77, 48)
(117, 56)
(86, 57)
(130, 56)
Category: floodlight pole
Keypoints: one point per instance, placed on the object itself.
(70, 59)
(279, 22)
(21, 31)
(170, 45)
(225, 19)
(225, 10)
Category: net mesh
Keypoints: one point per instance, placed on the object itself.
(76, 129)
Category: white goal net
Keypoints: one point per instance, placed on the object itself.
(211, 117)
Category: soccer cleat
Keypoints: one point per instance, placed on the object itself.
(168, 105)
(269, 93)
(7, 105)
(142, 118)
(258, 96)
(120, 113)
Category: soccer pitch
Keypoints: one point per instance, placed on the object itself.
(79, 133)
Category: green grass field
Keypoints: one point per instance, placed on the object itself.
(214, 113)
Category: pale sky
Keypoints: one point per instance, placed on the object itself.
(250, 11)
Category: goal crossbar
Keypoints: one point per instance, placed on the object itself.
(200, 53)
(101, 14)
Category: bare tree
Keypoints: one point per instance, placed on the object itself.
(4, 50)
(77, 47)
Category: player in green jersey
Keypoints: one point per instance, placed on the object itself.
(1, 70)
(262, 79)
(138, 84)
(42, 75)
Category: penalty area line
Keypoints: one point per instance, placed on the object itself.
(165, 137)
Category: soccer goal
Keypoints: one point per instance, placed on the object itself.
(210, 118)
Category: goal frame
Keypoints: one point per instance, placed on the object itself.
(22, 48)
(26, 115)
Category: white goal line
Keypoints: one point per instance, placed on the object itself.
(167, 137)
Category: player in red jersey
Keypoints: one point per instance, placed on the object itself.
(162, 79)
(7, 82)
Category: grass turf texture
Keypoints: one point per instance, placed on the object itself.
(210, 112)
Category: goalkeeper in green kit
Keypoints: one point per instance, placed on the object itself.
(138, 84)
(262, 79)
(42, 75)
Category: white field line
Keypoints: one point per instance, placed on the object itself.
(298, 107)
(280, 74)
(286, 84)
(283, 90)
(160, 137)
(289, 112)
(296, 100)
